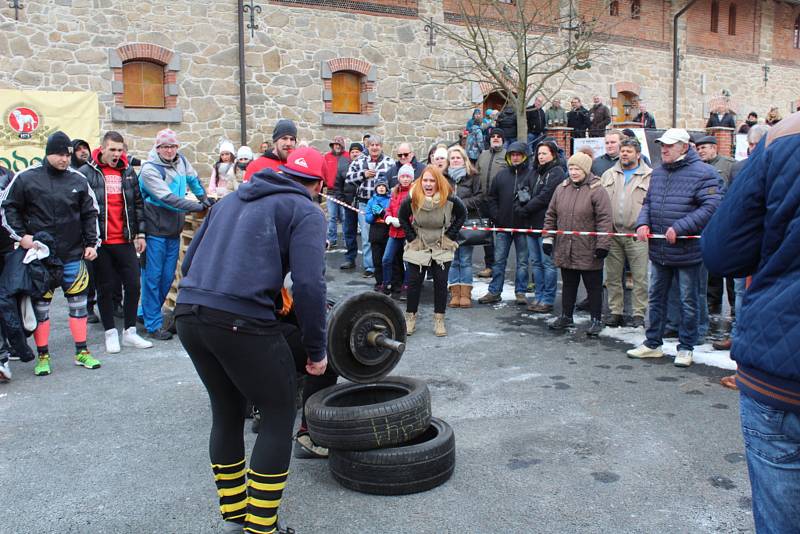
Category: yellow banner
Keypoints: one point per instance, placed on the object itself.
(29, 117)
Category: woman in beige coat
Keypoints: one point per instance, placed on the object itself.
(580, 203)
(431, 217)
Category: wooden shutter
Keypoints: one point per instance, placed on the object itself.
(346, 88)
(143, 84)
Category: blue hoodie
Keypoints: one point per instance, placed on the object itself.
(250, 240)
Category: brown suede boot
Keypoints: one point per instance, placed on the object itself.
(455, 296)
(466, 296)
(411, 323)
(438, 325)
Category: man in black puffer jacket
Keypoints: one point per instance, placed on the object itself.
(506, 192)
(122, 229)
(347, 194)
(507, 121)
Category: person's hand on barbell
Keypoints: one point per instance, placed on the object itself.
(316, 368)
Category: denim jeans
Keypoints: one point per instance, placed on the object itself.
(674, 306)
(772, 447)
(363, 229)
(393, 247)
(335, 215)
(461, 267)
(688, 282)
(738, 288)
(350, 233)
(545, 274)
(502, 246)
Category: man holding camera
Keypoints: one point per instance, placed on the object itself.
(507, 191)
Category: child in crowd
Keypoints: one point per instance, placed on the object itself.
(378, 230)
(393, 270)
(223, 174)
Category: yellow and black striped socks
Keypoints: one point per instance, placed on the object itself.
(263, 498)
(232, 491)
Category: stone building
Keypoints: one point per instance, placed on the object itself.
(347, 67)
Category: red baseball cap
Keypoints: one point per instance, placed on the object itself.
(304, 163)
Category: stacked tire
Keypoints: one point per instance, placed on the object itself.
(381, 436)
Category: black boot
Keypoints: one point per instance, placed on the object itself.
(562, 323)
(615, 320)
(594, 328)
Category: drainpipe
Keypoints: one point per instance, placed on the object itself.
(676, 60)
(242, 87)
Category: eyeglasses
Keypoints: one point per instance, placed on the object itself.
(495, 136)
(404, 155)
(168, 147)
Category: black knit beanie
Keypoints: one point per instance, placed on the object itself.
(284, 127)
(58, 143)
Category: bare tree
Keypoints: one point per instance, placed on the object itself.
(518, 48)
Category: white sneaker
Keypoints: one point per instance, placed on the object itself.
(130, 338)
(5, 371)
(683, 359)
(643, 351)
(112, 341)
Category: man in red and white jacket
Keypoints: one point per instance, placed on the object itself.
(330, 166)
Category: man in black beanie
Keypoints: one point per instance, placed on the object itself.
(284, 139)
(56, 199)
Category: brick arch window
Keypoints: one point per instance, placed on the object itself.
(732, 19)
(613, 8)
(796, 39)
(348, 92)
(636, 9)
(145, 83)
(715, 16)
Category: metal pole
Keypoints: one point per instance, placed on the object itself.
(242, 86)
(675, 60)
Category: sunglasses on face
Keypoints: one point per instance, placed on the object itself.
(404, 155)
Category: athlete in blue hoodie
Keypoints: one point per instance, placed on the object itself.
(227, 319)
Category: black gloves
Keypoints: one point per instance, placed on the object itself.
(547, 248)
(600, 253)
(208, 202)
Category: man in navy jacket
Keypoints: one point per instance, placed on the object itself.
(755, 232)
(684, 192)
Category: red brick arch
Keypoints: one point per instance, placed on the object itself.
(628, 87)
(144, 52)
(350, 64)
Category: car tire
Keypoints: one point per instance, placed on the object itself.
(357, 417)
(419, 465)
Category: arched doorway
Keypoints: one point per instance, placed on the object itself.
(495, 100)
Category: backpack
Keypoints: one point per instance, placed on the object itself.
(474, 143)
(162, 171)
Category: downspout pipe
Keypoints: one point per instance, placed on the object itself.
(242, 86)
(676, 60)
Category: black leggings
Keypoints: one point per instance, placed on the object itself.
(592, 281)
(235, 367)
(113, 263)
(416, 275)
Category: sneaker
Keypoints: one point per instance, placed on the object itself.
(5, 371)
(637, 321)
(562, 323)
(160, 335)
(485, 273)
(490, 298)
(595, 328)
(538, 307)
(231, 527)
(722, 344)
(112, 341)
(643, 351)
(368, 274)
(305, 448)
(380, 288)
(42, 365)
(85, 359)
(348, 266)
(131, 338)
(92, 318)
(683, 359)
(520, 300)
(615, 320)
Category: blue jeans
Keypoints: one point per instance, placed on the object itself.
(461, 267)
(363, 228)
(157, 277)
(739, 288)
(674, 306)
(393, 247)
(335, 215)
(502, 246)
(545, 274)
(688, 282)
(772, 447)
(350, 233)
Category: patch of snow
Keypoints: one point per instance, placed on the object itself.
(522, 377)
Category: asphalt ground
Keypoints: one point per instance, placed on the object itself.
(554, 433)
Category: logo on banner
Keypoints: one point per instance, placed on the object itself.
(24, 121)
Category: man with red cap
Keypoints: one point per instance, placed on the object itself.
(230, 326)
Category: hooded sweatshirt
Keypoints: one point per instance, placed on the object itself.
(247, 244)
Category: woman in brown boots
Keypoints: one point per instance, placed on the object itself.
(467, 187)
(431, 218)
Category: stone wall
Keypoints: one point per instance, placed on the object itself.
(66, 44)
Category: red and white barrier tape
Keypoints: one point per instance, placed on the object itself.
(530, 230)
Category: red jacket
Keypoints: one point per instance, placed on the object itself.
(267, 161)
(399, 194)
(330, 166)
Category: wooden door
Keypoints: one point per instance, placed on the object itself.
(346, 88)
